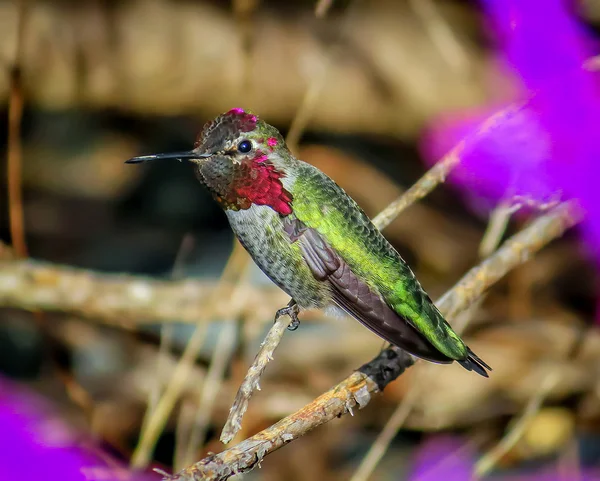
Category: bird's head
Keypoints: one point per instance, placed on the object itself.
(241, 159)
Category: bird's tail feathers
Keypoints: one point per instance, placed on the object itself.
(474, 363)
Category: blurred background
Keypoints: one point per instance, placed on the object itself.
(355, 86)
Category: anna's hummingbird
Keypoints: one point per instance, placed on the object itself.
(312, 240)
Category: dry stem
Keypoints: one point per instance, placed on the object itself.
(441, 35)
(222, 352)
(154, 423)
(322, 7)
(166, 332)
(487, 462)
(315, 86)
(118, 299)
(385, 437)
(15, 114)
(438, 173)
(374, 376)
(251, 381)
(354, 391)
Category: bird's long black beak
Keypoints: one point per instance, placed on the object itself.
(190, 155)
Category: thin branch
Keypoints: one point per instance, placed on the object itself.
(155, 423)
(309, 101)
(441, 34)
(314, 89)
(356, 390)
(15, 151)
(497, 224)
(167, 330)
(251, 381)
(244, 12)
(166, 334)
(501, 215)
(222, 352)
(322, 7)
(385, 437)
(438, 173)
(515, 251)
(487, 462)
(117, 299)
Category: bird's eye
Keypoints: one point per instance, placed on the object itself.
(245, 146)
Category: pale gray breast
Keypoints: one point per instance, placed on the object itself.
(260, 230)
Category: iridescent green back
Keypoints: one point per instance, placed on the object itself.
(323, 205)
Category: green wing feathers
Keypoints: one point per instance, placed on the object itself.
(321, 204)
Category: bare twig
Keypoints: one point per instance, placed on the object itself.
(322, 7)
(15, 154)
(515, 251)
(385, 437)
(355, 391)
(311, 96)
(438, 173)
(487, 462)
(244, 12)
(166, 334)
(156, 422)
(118, 300)
(188, 408)
(251, 381)
(374, 376)
(222, 352)
(166, 331)
(499, 218)
(314, 89)
(441, 35)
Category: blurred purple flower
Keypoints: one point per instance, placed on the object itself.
(551, 144)
(36, 444)
(443, 457)
(448, 458)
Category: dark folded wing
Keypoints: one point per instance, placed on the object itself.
(357, 298)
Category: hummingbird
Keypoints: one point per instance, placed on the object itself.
(313, 240)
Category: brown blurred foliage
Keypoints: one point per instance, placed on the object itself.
(103, 81)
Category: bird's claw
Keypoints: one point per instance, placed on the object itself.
(292, 310)
(294, 324)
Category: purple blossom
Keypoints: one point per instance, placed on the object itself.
(549, 145)
(449, 458)
(36, 444)
(443, 457)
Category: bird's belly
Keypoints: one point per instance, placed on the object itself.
(260, 230)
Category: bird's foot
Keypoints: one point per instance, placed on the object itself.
(292, 310)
